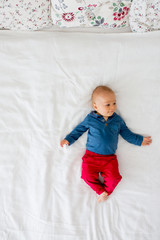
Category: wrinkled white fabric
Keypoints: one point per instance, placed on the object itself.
(45, 86)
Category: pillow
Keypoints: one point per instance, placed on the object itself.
(87, 13)
(1, 5)
(24, 14)
(1, 11)
(145, 15)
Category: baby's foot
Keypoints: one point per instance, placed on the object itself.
(103, 197)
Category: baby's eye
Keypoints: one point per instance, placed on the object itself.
(114, 103)
(107, 105)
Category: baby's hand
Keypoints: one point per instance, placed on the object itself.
(63, 142)
(146, 141)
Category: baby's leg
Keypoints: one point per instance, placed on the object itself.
(103, 197)
(90, 175)
(111, 175)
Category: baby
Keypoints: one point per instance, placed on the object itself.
(104, 126)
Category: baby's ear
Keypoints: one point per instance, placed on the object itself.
(94, 106)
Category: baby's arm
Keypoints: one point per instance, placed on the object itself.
(64, 142)
(133, 138)
(146, 141)
(76, 133)
(129, 136)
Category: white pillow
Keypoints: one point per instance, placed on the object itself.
(87, 13)
(145, 15)
(24, 14)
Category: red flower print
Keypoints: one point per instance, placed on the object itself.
(80, 8)
(94, 5)
(120, 14)
(68, 17)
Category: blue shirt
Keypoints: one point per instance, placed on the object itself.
(102, 134)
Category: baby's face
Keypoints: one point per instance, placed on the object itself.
(105, 104)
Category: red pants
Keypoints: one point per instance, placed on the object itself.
(107, 165)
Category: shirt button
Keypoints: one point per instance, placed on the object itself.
(106, 124)
(103, 120)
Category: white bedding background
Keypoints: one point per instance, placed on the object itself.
(46, 79)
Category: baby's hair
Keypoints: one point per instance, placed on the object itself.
(99, 90)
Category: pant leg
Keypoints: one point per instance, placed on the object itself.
(111, 174)
(90, 174)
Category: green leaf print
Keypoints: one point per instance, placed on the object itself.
(115, 9)
(99, 17)
(122, 4)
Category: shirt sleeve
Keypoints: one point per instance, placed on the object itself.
(129, 136)
(77, 131)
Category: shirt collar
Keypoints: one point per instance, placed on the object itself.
(95, 114)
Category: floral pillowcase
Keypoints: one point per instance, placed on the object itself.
(145, 15)
(96, 13)
(24, 14)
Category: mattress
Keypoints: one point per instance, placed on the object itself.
(45, 90)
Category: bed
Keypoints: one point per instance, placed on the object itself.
(46, 81)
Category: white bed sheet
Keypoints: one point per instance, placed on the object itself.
(45, 86)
